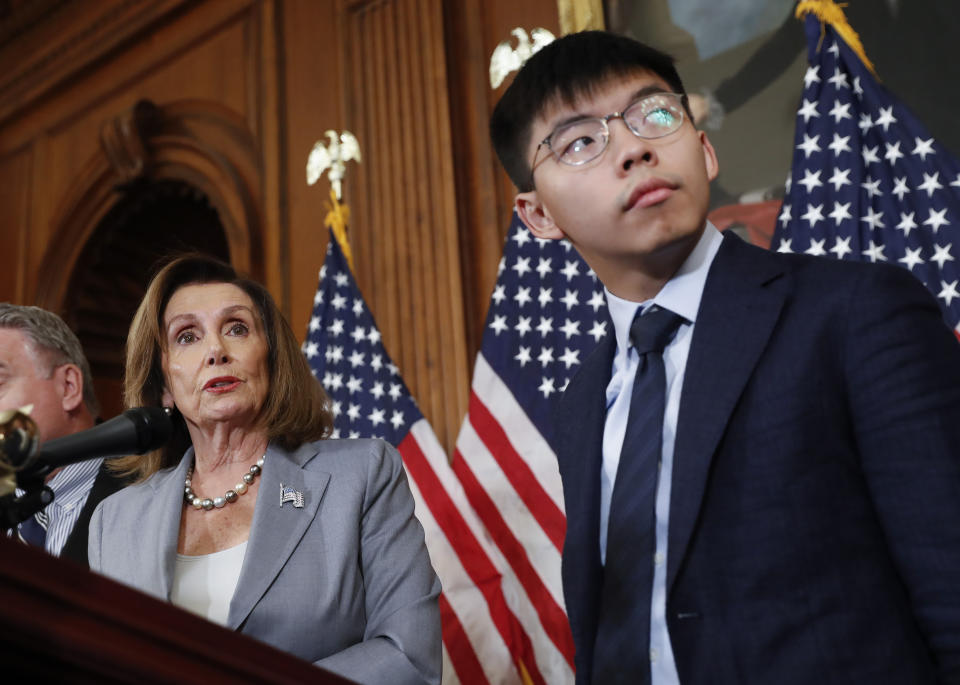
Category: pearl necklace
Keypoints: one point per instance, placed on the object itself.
(206, 504)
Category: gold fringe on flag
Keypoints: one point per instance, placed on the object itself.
(829, 12)
(338, 216)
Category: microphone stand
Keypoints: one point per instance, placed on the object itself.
(14, 510)
(18, 444)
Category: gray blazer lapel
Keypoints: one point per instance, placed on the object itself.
(741, 303)
(162, 514)
(276, 531)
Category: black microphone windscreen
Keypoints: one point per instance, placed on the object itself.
(153, 425)
(134, 432)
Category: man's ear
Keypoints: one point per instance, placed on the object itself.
(534, 214)
(70, 383)
(710, 160)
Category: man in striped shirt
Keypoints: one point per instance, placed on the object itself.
(42, 364)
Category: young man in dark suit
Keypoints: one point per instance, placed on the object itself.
(761, 468)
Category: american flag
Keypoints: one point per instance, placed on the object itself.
(868, 181)
(482, 637)
(546, 314)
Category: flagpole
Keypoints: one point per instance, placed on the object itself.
(338, 215)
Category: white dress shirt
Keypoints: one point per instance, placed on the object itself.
(680, 295)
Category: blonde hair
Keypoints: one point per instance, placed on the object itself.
(296, 409)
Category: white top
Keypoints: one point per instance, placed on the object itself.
(205, 584)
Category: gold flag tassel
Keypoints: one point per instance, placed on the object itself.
(331, 158)
(829, 12)
(338, 216)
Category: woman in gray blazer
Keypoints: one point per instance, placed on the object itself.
(248, 517)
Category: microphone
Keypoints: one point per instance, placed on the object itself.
(135, 431)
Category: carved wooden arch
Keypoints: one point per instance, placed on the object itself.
(200, 143)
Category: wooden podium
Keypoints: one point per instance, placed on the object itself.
(61, 623)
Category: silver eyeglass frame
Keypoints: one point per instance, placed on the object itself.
(681, 99)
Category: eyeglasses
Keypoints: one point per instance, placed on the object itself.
(652, 116)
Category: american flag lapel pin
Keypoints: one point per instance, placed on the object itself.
(289, 494)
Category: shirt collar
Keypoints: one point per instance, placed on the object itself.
(681, 294)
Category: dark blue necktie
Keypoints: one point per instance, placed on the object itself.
(33, 532)
(622, 647)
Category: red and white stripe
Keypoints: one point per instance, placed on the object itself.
(480, 628)
(509, 476)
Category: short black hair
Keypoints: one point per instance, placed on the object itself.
(566, 69)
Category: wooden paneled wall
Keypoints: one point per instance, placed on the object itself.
(245, 87)
(405, 229)
(70, 78)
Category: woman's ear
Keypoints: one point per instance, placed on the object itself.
(537, 218)
(167, 400)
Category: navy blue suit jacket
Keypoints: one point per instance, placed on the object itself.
(814, 532)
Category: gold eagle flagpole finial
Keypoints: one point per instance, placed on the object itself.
(332, 158)
(506, 59)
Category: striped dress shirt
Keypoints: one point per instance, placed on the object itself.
(71, 486)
